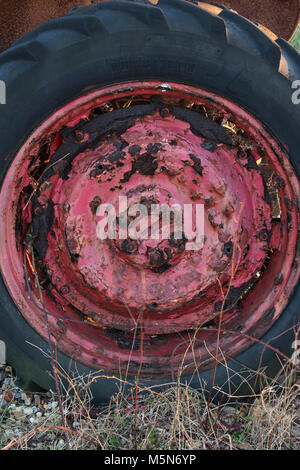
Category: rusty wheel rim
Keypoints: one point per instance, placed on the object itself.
(117, 304)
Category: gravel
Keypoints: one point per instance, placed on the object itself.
(24, 407)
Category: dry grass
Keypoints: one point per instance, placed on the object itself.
(178, 418)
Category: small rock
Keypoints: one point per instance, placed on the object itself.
(9, 434)
(18, 412)
(245, 446)
(228, 410)
(8, 395)
(37, 400)
(61, 443)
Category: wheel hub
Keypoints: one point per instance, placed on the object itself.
(156, 160)
(169, 145)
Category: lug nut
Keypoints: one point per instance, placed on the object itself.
(64, 289)
(129, 246)
(263, 235)
(165, 112)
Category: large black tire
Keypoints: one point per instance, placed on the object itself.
(176, 41)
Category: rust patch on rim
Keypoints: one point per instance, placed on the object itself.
(151, 142)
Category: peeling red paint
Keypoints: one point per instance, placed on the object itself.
(181, 156)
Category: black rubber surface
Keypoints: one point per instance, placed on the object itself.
(119, 41)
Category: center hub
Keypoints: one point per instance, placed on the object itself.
(152, 159)
(153, 236)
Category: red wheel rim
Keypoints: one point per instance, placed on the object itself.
(114, 306)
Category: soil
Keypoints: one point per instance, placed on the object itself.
(19, 17)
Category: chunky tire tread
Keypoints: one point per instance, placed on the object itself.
(80, 26)
(170, 14)
(179, 14)
(245, 35)
(211, 8)
(291, 57)
(173, 15)
(16, 61)
(134, 16)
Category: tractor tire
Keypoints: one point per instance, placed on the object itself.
(206, 47)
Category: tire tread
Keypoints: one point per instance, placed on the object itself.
(120, 15)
